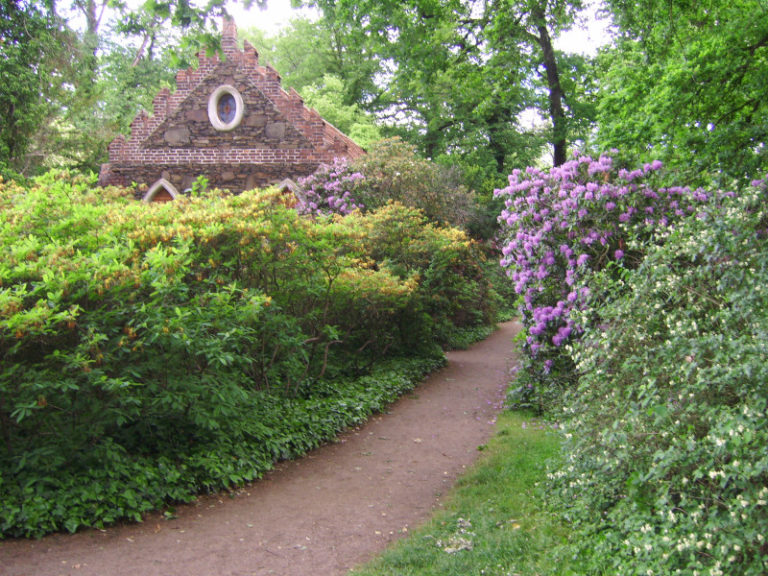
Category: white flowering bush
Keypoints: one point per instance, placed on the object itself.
(666, 431)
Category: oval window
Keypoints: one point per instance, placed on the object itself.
(225, 108)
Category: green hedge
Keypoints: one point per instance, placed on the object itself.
(666, 468)
(149, 352)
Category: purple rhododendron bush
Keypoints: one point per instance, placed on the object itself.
(557, 229)
(646, 315)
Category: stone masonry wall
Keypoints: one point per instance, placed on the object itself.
(235, 178)
(263, 127)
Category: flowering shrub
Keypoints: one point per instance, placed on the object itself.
(557, 229)
(330, 190)
(150, 352)
(666, 468)
(395, 172)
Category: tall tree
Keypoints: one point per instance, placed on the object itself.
(454, 75)
(30, 52)
(686, 83)
(529, 26)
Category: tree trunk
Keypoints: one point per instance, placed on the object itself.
(495, 125)
(147, 41)
(93, 12)
(556, 112)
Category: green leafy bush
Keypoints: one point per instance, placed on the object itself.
(150, 352)
(454, 289)
(394, 172)
(666, 431)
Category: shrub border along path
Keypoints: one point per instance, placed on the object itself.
(322, 514)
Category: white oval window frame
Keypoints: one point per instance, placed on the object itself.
(213, 112)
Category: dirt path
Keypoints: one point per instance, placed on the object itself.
(320, 515)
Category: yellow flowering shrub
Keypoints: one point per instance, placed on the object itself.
(150, 351)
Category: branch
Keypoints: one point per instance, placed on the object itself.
(140, 51)
(325, 356)
(101, 14)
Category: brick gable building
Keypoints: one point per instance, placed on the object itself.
(229, 120)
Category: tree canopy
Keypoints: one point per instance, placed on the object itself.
(685, 82)
(29, 54)
(454, 76)
(682, 81)
(311, 61)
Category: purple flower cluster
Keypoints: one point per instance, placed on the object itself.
(560, 226)
(330, 190)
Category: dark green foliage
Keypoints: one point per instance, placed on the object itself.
(28, 44)
(151, 352)
(463, 338)
(238, 440)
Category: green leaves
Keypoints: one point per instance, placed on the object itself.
(149, 352)
(683, 84)
(29, 51)
(453, 77)
(665, 433)
(326, 95)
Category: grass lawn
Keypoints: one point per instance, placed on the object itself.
(495, 521)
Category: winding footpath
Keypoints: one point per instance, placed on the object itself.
(320, 515)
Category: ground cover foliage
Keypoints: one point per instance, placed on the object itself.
(152, 352)
(656, 368)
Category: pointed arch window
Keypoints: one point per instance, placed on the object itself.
(161, 191)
